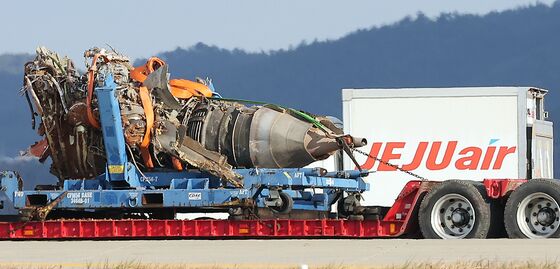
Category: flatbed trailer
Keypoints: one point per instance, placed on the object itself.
(399, 221)
(125, 203)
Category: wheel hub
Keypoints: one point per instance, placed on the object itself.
(460, 217)
(537, 215)
(546, 216)
(453, 216)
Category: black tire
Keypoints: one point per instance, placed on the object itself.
(287, 204)
(341, 212)
(356, 217)
(470, 225)
(497, 229)
(516, 202)
(350, 201)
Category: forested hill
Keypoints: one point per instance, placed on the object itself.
(519, 47)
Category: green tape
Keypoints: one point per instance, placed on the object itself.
(303, 115)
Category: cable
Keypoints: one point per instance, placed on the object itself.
(134, 162)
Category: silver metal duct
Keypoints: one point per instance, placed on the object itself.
(259, 136)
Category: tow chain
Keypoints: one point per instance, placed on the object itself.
(390, 164)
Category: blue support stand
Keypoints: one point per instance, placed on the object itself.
(119, 172)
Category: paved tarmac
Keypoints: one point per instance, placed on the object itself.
(275, 252)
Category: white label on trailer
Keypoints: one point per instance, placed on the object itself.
(149, 179)
(243, 192)
(195, 196)
(79, 197)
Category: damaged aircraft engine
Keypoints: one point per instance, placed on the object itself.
(168, 123)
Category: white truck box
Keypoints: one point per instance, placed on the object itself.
(448, 133)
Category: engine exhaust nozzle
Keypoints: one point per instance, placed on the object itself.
(262, 136)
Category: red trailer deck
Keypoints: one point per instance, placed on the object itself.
(401, 219)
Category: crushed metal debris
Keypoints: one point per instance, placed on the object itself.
(168, 123)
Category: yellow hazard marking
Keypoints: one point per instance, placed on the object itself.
(116, 169)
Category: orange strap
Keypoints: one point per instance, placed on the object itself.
(141, 73)
(177, 164)
(185, 89)
(91, 81)
(180, 88)
(149, 111)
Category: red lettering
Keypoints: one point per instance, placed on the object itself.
(469, 157)
(488, 158)
(472, 160)
(432, 157)
(370, 162)
(502, 153)
(388, 155)
(418, 156)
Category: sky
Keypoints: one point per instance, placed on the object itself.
(142, 28)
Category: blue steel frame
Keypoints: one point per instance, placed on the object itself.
(118, 168)
(179, 190)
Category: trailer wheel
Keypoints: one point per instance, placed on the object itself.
(287, 204)
(348, 206)
(532, 210)
(454, 209)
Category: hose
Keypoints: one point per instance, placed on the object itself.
(301, 114)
